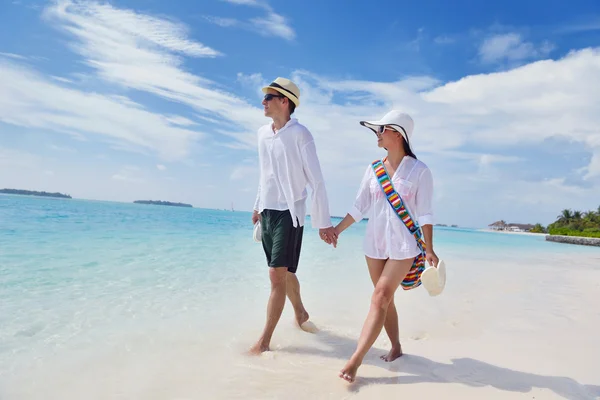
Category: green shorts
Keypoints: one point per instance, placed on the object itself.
(280, 239)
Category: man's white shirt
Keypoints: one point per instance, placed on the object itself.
(288, 163)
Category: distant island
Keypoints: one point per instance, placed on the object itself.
(34, 193)
(162, 203)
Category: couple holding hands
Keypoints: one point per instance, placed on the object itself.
(395, 194)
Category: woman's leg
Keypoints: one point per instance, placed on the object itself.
(391, 277)
(391, 317)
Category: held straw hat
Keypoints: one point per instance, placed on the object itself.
(402, 122)
(286, 88)
(434, 279)
(257, 233)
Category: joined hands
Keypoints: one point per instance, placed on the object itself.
(329, 235)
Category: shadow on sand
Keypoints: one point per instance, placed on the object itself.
(467, 371)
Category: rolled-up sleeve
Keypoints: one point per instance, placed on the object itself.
(362, 203)
(320, 216)
(424, 198)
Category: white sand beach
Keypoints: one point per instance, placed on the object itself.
(501, 330)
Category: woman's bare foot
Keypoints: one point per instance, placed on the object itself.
(348, 373)
(302, 318)
(395, 352)
(258, 349)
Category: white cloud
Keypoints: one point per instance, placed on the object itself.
(14, 56)
(119, 56)
(589, 25)
(107, 25)
(29, 100)
(444, 39)
(63, 149)
(254, 3)
(511, 47)
(161, 167)
(61, 79)
(272, 24)
(222, 22)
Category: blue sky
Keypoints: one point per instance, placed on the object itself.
(128, 100)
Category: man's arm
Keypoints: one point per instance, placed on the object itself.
(255, 214)
(320, 204)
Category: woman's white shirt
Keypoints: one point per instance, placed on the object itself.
(387, 236)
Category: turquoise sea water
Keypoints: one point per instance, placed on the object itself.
(77, 275)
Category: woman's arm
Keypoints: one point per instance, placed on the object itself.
(361, 205)
(344, 224)
(424, 200)
(430, 255)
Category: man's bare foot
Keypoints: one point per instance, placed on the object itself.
(258, 349)
(348, 373)
(302, 318)
(395, 352)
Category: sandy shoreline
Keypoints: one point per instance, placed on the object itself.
(512, 233)
(490, 335)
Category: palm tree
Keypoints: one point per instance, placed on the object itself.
(565, 216)
(577, 215)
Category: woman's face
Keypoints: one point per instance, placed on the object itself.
(388, 137)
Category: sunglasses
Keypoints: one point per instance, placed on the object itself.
(269, 96)
(382, 128)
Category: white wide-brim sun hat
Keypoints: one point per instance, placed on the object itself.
(401, 122)
(434, 279)
(257, 234)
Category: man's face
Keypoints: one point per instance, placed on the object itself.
(276, 105)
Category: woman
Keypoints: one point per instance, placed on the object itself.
(393, 247)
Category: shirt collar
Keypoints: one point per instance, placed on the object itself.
(291, 122)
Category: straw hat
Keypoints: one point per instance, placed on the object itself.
(396, 119)
(434, 279)
(257, 233)
(286, 88)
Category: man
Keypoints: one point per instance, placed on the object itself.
(288, 163)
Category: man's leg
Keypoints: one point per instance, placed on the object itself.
(274, 308)
(294, 247)
(293, 293)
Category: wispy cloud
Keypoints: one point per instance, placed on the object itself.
(444, 39)
(589, 25)
(13, 56)
(222, 22)
(31, 100)
(109, 26)
(272, 24)
(511, 47)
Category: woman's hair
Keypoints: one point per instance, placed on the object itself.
(407, 149)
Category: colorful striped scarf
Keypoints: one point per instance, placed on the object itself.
(413, 278)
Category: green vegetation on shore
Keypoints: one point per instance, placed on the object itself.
(576, 223)
(34, 193)
(162, 203)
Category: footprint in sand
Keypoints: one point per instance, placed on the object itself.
(419, 336)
